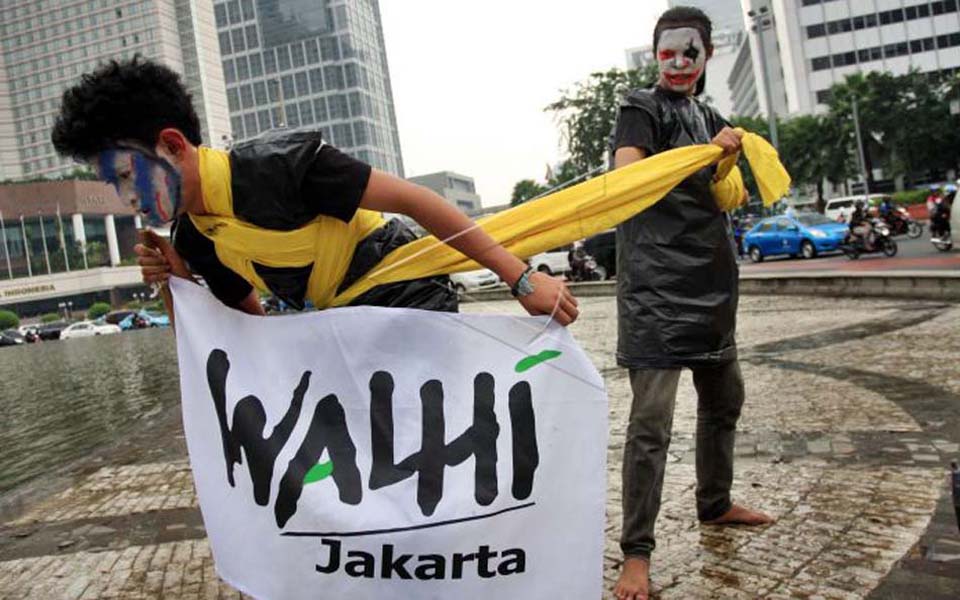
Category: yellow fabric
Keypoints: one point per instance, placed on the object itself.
(729, 192)
(326, 242)
(536, 226)
(576, 212)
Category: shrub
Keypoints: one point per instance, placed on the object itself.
(98, 310)
(908, 197)
(49, 318)
(8, 320)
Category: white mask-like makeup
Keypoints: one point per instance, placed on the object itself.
(681, 55)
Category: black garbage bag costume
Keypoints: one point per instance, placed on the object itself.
(677, 287)
(283, 180)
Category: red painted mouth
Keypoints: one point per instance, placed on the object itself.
(682, 79)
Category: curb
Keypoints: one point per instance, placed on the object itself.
(917, 285)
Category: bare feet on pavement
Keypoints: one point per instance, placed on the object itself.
(741, 515)
(634, 582)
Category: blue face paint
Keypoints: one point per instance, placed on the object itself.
(144, 177)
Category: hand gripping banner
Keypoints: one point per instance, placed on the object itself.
(393, 453)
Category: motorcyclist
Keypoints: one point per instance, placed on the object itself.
(940, 217)
(861, 227)
(886, 207)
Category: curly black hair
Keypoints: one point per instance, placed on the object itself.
(684, 16)
(132, 99)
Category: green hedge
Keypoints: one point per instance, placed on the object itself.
(908, 197)
(49, 318)
(98, 310)
(8, 320)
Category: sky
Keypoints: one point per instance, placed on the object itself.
(470, 79)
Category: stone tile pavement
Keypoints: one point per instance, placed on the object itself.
(845, 436)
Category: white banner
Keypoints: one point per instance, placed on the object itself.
(393, 453)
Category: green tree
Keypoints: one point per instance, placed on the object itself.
(49, 317)
(98, 309)
(8, 320)
(588, 112)
(524, 190)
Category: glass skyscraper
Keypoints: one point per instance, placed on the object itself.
(45, 45)
(310, 63)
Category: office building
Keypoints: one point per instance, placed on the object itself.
(725, 14)
(311, 63)
(814, 44)
(457, 189)
(45, 45)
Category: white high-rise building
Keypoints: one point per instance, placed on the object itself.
(725, 14)
(814, 44)
(45, 45)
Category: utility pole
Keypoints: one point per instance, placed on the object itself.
(761, 17)
(860, 153)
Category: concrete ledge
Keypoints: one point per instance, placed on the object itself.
(919, 285)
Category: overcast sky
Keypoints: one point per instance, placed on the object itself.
(471, 79)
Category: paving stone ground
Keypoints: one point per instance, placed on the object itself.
(852, 414)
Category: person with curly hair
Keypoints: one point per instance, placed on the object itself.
(133, 120)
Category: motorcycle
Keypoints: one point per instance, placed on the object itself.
(940, 234)
(585, 268)
(900, 222)
(883, 242)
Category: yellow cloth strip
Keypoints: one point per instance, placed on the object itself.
(576, 212)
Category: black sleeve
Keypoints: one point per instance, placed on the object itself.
(334, 184)
(636, 128)
(201, 255)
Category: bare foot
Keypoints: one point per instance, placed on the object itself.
(741, 515)
(634, 582)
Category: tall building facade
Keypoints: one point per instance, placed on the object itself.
(311, 63)
(45, 45)
(818, 43)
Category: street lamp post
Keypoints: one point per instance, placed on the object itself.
(762, 17)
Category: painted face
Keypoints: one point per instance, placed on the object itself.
(682, 56)
(144, 180)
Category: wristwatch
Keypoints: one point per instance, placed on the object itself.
(523, 286)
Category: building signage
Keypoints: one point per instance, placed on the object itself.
(27, 290)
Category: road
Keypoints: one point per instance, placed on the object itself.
(913, 255)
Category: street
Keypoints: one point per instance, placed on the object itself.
(912, 255)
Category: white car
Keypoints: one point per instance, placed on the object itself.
(840, 209)
(554, 262)
(88, 329)
(472, 281)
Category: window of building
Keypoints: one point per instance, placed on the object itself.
(283, 58)
(338, 106)
(256, 65)
(288, 89)
(306, 112)
(237, 40)
(246, 97)
(320, 110)
(296, 54)
(316, 80)
(293, 115)
(263, 118)
(343, 132)
(229, 74)
(313, 53)
(333, 77)
(329, 49)
(815, 31)
(220, 13)
(260, 93)
(303, 89)
(236, 124)
(233, 9)
(273, 90)
(269, 61)
(821, 63)
(823, 97)
(250, 122)
(243, 71)
(247, 6)
(252, 40)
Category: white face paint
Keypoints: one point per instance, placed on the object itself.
(681, 55)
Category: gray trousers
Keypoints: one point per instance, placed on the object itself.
(719, 399)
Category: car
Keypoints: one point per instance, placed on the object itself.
(552, 262)
(144, 319)
(11, 337)
(603, 248)
(88, 329)
(51, 331)
(804, 234)
(472, 281)
(115, 317)
(840, 209)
